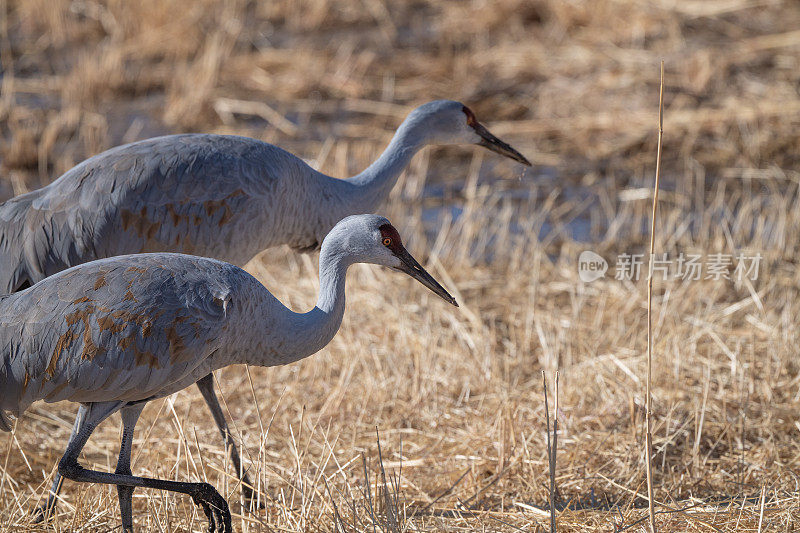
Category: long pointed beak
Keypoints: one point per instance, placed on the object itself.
(488, 140)
(411, 267)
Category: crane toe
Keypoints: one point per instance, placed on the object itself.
(40, 513)
(215, 508)
(209, 515)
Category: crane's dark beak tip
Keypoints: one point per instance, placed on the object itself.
(410, 266)
(446, 296)
(491, 142)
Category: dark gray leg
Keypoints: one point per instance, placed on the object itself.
(203, 494)
(130, 415)
(43, 512)
(206, 386)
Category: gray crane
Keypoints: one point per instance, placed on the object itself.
(219, 196)
(116, 333)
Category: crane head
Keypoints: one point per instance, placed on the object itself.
(373, 239)
(451, 122)
(391, 240)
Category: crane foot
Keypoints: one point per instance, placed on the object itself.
(215, 508)
(41, 514)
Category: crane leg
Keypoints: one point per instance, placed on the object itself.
(43, 512)
(206, 386)
(213, 504)
(130, 415)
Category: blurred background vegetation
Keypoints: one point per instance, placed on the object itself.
(573, 83)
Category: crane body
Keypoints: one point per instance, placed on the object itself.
(217, 196)
(155, 324)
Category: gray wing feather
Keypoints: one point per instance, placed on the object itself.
(195, 194)
(161, 194)
(12, 223)
(124, 328)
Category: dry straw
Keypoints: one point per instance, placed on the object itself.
(648, 408)
(552, 447)
(452, 391)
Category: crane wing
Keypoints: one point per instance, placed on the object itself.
(183, 193)
(13, 268)
(125, 328)
(172, 193)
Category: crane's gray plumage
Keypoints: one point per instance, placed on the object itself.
(218, 196)
(69, 338)
(115, 333)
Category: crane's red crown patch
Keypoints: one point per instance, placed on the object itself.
(388, 232)
(471, 120)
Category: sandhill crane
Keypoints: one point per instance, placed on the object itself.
(217, 196)
(220, 196)
(116, 333)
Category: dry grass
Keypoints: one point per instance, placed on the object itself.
(456, 394)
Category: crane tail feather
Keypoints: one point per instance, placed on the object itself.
(5, 423)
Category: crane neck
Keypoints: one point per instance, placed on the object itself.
(376, 181)
(304, 334)
(333, 265)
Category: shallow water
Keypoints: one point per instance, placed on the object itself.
(445, 203)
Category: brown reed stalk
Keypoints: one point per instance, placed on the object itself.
(551, 448)
(648, 407)
(8, 454)
(553, 462)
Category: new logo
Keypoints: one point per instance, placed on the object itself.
(591, 266)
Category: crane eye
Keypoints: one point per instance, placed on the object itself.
(387, 241)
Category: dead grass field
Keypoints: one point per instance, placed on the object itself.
(455, 394)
